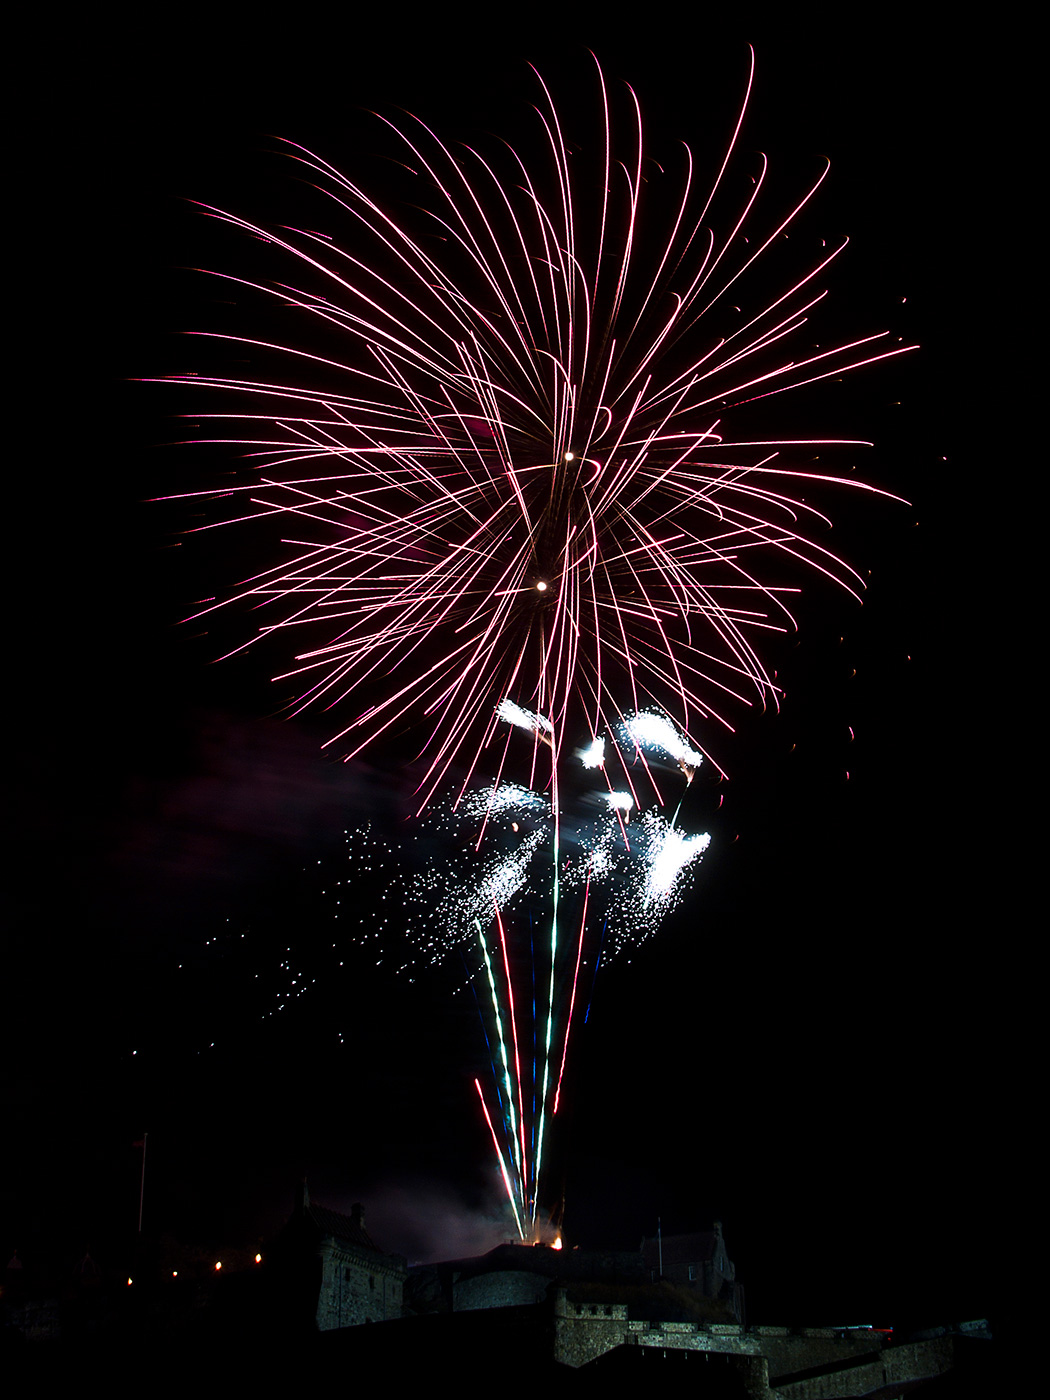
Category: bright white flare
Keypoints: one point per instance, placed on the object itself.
(619, 801)
(655, 732)
(633, 879)
(524, 719)
(593, 756)
(668, 854)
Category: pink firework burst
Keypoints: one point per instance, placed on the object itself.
(533, 482)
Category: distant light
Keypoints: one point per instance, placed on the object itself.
(129, 1283)
(570, 456)
(541, 587)
(557, 1243)
(174, 1273)
(218, 1265)
(258, 1258)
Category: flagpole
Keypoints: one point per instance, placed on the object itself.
(142, 1186)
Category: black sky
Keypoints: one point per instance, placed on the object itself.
(800, 1053)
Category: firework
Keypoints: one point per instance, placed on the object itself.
(481, 900)
(532, 482)
(524, 498)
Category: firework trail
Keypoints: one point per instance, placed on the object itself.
(623, 867)
(522, 500)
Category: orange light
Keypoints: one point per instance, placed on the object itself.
(258, 1258)
(218, 1265)
(557, 1243)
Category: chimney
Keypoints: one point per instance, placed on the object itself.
(357, 1215)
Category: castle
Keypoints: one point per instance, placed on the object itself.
(328, 1300)
(336, 1270)
(675, 1302)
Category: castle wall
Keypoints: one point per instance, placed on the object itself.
(499, 1289)
(812, 1363)
(899, 1365)
(355, 1290)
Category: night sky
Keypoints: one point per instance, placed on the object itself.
(804, 1051)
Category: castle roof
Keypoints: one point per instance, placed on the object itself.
(347, 1229)
(324, 1223)
(682, 1249)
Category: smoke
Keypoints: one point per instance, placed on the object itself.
(246, 800)
(428, 1222)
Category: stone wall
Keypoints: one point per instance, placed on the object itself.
(585, 1331)
(355, 1289)
(897, 1365)
(802, 1349)
(499, 1289)
(780, 1363)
